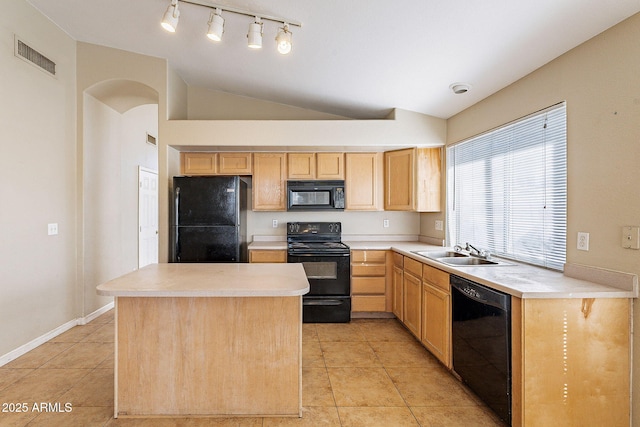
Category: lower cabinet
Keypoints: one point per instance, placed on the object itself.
(267, 255)
(412, 296)
(368, 281)
(422, 302)
(436, 313)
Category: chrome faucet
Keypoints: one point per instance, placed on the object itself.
(480, 253)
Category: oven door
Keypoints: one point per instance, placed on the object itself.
(328, 274)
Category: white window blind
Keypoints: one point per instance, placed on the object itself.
(507, 190)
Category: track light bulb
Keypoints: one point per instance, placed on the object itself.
(216, 26)
(283, 39)
(255, 34)
(171, 17)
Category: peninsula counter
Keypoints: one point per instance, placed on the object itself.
(209, 340)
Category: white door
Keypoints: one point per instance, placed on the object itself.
(147, 217)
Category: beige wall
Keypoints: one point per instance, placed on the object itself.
(205, 104)
(38, 172)
(114, 146)
(600, 82)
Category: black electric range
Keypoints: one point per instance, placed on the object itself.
(326, 261)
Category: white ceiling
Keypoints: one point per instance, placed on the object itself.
(356, 58)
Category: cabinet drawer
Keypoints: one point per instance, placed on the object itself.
(368, 256)
(368, 269)
(398, 259)
(367, 303)
(413, 266)
(368, 285)
(436, 277)
(260, 255)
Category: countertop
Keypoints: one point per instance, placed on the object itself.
(210, 280)
(517, 279)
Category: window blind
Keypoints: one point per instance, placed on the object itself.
(507, 189)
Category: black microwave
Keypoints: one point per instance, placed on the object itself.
(315, 195)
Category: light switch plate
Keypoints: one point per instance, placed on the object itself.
(631, 237)
(583, 241)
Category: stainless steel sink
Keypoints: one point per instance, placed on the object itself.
(455, 261)
(441, 254)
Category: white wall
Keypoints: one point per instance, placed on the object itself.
(114, 146)
(38, 288)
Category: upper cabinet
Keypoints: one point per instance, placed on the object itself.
(235, 163)
(363, 183)
(315, 166)
(412, 179)
(199, 163)
(301, 166)
(221, 163)
(330, 165)
(269, 186)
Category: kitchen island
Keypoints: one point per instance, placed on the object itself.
(208, 340)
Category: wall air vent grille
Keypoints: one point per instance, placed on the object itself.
(26, 52)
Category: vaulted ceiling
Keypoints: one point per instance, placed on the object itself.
(355, 58)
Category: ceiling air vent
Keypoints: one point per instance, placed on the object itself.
(26, 52)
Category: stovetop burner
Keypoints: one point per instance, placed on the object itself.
(320, 237)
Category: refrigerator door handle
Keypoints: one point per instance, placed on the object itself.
(176, 202)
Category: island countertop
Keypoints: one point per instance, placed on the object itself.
(210, 280)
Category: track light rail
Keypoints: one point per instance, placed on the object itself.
(237, 11)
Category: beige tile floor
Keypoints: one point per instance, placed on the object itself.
(370, 372)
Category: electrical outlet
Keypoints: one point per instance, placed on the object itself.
(274, 223)
(385, 223)
(439, 225)
(583, 241)
(52, 229)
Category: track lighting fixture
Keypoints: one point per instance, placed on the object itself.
(283, 39)
(255, 34)
(216, 24)
(171, 17)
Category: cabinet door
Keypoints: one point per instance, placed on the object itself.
(398, 279)
(301, 166)
(329, 165)
(436, 322)
(363, 181)
(234, 163)
(199, 163)
(412, 294)
(399, 180)
(269, 190)
(266, 255)
(428, 163)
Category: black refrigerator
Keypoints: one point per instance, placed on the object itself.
(209, 219)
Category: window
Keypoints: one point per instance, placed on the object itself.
(507, 190)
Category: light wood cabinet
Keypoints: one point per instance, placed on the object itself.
(398, 283)
(368, 280)
(364, 181)
(412, 179)
(235, 163)
(330, 165)
(301, 166)
(199, 163)
(223, 163)
(315, 166)
(267, 255)
(436, 313)
(269, 192)
(571, 361)
(412, 296)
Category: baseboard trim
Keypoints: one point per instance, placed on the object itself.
(23, 349)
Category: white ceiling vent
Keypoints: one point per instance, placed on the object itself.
(29, 54)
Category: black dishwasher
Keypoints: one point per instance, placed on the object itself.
(481, 339)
